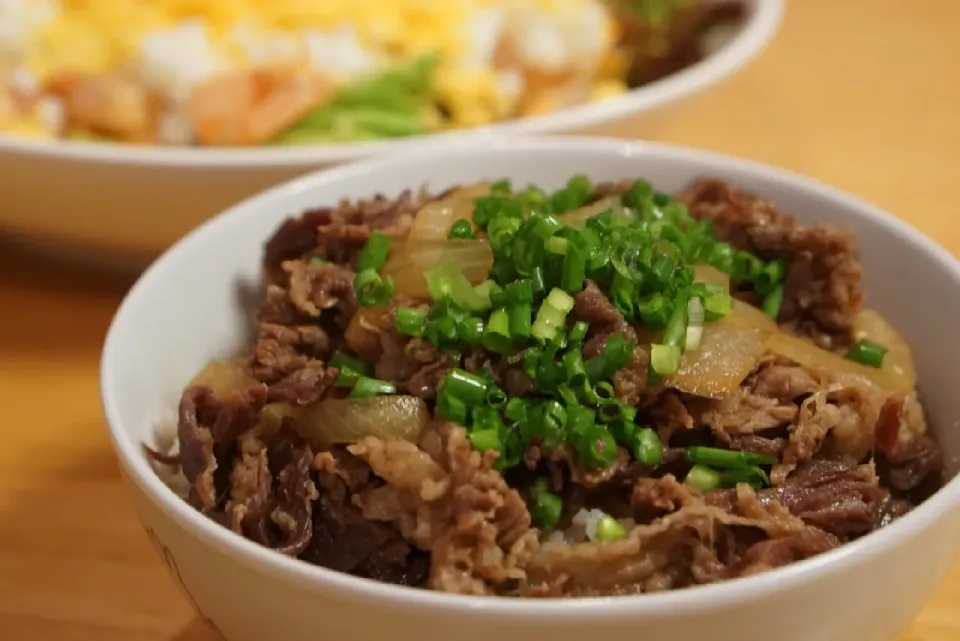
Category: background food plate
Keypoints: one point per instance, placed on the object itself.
(125, 203)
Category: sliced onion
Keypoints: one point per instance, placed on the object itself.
(434, 220)
(898, 361)
(363, 332)
(225, 378)
(578, 216)
(726, 356)
(333, 421)
(407, 265)
(842, 369)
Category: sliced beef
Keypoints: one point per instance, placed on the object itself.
(448, 499)
(909, 457)
(822, 292)
(207, 430)
(337, 234)
(835, 496)
(695, 544)
(593, 307)
(345, 540)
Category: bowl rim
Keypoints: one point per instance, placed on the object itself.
(307, 576)
(759, 29)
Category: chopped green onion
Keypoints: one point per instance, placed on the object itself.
(609, 529)
(520, 291)
(702, 478)
(716, 306)
(373, 291)
(647, 447)
(469, 388)
(452, 408)
(470, 330)
(318, 260)
(341, 360)
(773, 301)
(486, 439)
(365, 387)
(346, 376)
(547, 510)
(578, 332)
(520, 320)
(867, 352)
(374, 253)
(754, 476)
(496, 397)
(655, 311)
(746, 266)
(461, 229)
(516, 409)
(410, 321)
(573, 366)
(556, 245)
(446, 282)
(486, 291)
(727, 459)
(771, 275)
(574, 267)
(501, 232)
(596, 447)
(496, 335)
(664, 359)
(552, 314)
(676, 328)
(616, 353)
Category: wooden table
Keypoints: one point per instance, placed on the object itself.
(860, 93)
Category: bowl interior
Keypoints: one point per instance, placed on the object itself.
(192, 305)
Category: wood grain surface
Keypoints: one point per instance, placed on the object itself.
(862, 94)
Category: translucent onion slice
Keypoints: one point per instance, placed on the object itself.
(408, 264)
(333, 421)
(225, 378)
(433, 221)
(725, 357)
(898, 361)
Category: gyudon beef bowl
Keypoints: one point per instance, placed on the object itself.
(557, 387)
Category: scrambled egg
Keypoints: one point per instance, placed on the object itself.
(492, 53)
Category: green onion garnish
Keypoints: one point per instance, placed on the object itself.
(496, 335)
(866, 352)
(344, 361)
(729, 459)
(373, 291)
(702, 478)
(366, 387)
(647, 447)
(410, 321)
(773, 301)
(552, 314)
(547, 510)
(374, 253)
(609, 529)
(461, 229)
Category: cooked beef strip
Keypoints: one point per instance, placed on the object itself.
(822, 292)
(437, 514)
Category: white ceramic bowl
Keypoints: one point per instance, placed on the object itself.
(189, 307)
(136, 201)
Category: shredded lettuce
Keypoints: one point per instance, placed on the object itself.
(388, 104)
